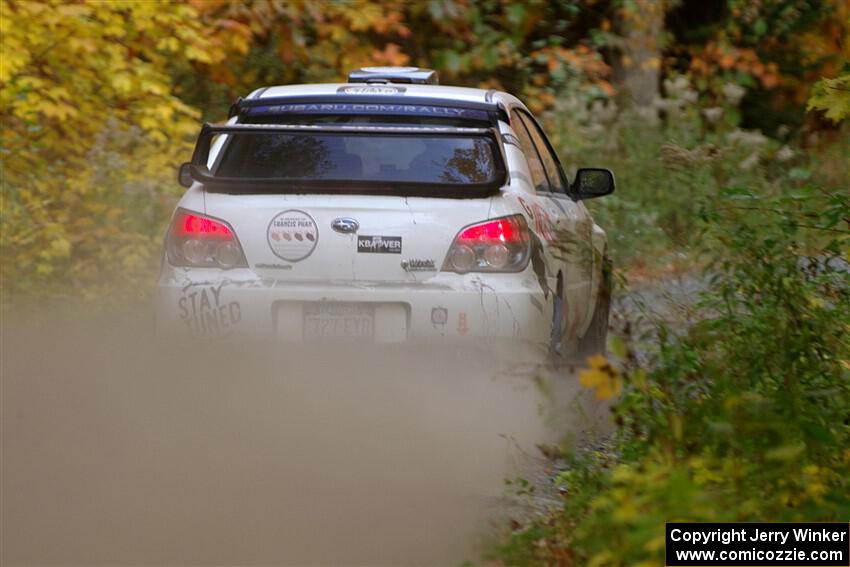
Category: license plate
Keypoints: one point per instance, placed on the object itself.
(338, 321)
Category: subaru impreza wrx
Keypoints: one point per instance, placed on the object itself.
(385, 209)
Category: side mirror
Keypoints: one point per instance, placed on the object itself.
(184, 175)
(592, 182)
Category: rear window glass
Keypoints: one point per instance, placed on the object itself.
(420, 158)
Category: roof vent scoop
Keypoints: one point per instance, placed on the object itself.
(412, 75)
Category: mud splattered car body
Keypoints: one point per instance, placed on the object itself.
(386, 209)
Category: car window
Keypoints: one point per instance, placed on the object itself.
(357, 157)
(535, 164)
(550, 161)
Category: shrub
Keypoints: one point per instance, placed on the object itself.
(744, 416)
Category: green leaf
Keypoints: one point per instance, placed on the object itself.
(786, 452)
(832, 97)
(516, 14)
(617, 347)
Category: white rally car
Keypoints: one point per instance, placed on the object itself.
(386, 209)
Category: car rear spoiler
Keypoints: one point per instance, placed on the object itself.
(197, 169)
(345, 98)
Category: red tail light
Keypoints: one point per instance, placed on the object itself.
(500, 245)
(199, 241)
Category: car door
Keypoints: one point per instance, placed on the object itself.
(571, 245)
(538, 205)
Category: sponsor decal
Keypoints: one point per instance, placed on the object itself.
(367, 108)
(542, 222)
(379, 244)
(372, 89)
(293, 235)
(206, 315)
(462, 324)
(439, 316)
(526, 208)
(419, 265)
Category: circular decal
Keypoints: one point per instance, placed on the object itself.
(293, 235)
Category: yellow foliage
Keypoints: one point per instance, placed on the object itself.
(602, 377)
(91, 124)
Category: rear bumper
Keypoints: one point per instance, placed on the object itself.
(238, 304)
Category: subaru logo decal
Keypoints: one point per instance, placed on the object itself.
(345, 225)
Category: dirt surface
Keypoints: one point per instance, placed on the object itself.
(118, 451)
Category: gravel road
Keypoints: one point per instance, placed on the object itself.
(115, 451)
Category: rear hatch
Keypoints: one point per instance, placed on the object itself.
(307, 238)
(371, 193)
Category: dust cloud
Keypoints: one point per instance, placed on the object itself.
(118, 450)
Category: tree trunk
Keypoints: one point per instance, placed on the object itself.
(638, 69)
